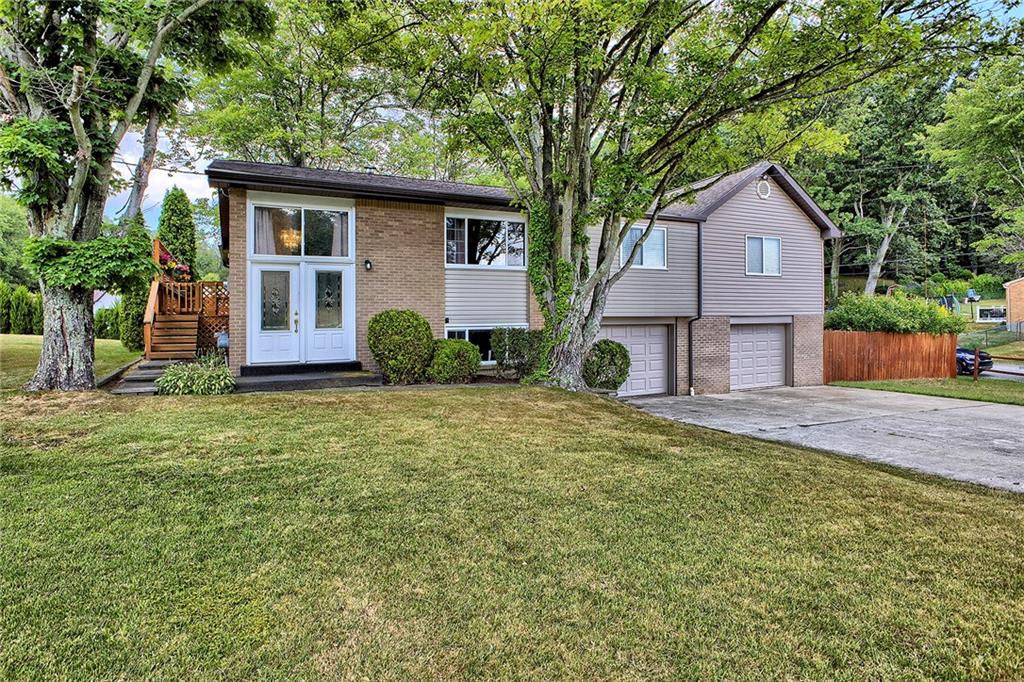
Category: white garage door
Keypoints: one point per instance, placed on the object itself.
(648, 356)
(757, 356)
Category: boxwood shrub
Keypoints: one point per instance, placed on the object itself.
(898, 313)
(208, 375)
(606, 366)
(517, 350)
(401, 344)
(456, 361)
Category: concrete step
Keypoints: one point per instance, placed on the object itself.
(135, 389)
(143, 375)
(154, 364)
(303, 381)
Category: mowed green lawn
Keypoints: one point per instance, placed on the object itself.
(987, 389)
(19, 355)
(490, 532)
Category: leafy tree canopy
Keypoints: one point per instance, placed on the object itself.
(13, 233)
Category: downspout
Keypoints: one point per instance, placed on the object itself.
(700, 306)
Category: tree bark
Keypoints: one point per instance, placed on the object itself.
(67, 359)
(833, 270)
(140, 180)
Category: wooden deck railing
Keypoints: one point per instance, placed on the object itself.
(208, 300)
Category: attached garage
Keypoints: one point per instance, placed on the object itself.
(757, 356)
(648, 346)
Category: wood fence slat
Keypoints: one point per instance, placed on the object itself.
(877, 356)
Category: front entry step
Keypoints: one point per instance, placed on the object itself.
(308, 368)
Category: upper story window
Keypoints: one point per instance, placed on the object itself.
(485, 242)
(651, 254)
(764, 256)
(300, 232)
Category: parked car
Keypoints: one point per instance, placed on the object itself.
(965, 361)
(973, 296)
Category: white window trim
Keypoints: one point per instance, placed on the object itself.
(256, 200)
(746, 258)
(623, 257)
(485, 215)
(482, 328)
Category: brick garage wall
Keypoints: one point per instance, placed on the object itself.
(236, 279)
(711, 355)
(808, 348)
(682, 356)
(405, 243)
(1015, 302)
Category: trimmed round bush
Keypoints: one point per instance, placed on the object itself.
(456, 361)
(606, 365)
(401, 344)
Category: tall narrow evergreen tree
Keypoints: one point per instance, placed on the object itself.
(177, 228)
(5, 307)
(133, 302)
(21, 311)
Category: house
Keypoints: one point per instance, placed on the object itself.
(1015, 302)
(727, 293)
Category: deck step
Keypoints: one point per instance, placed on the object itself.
(162, 317)
(163, 339)
(171, 355)
(183, 326)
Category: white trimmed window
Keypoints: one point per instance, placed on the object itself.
(479, 337)
(493, 243)
(287, 231)
(651, 254)
(764, 255)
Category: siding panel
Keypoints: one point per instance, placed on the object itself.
(657, 293)
(728, 290)
(485, 296)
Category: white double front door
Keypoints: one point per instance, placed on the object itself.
(301, 312)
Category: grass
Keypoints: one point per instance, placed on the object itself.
(1014, 349)
(490, 532)
(19, 355)
(965, 308)
(988, 389)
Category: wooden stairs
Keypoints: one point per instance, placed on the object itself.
(174, 337)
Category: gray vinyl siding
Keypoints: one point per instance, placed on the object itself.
(728, 290)
(671, 292)
(485, 297)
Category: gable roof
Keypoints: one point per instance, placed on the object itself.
(712, 193)
(372, 185)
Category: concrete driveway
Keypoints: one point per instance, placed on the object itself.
(960, 439)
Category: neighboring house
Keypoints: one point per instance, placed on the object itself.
(314, 254)
(1015, 301)
(104, 299)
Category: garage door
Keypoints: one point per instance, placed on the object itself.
(757, 356)
(648, 356)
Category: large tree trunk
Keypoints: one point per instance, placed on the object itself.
(67, 358)
(140, 180)
(833, 270)
(875, 271)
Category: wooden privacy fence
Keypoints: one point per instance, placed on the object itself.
(870, 356)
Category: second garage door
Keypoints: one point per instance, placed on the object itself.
(757, 356)
(648, 356)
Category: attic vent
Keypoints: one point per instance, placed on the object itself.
(764, 188)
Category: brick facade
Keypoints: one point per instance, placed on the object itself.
(808, 349)
(711, 354)
(534, 316)
(237, 279)
(1015, 301)
(405, 244)
(682, 356)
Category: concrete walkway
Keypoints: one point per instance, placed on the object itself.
(960, 439)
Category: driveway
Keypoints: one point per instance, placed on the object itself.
(960, 439)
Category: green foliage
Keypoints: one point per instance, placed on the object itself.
(401, 344)
(134, 299)
(208, 375)
(456, 361)
(517, 351)
(606, 365)
(897, 313)
(981, 143)
(13, 233)
(177, 228)
(107, 323)
(37, 314)
(108, 263)
(21, 311)
(5, 307)
(988, 286)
